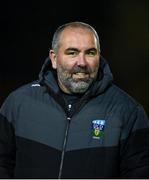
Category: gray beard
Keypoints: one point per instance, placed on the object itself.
(77, 87)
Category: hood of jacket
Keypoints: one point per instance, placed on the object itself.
(48, 77)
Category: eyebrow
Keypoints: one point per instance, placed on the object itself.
(75, 49)
(92, 49)
(71, 49)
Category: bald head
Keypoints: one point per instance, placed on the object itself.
(72, 25)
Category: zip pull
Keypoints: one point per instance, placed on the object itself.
(69, 107)
(69, 112)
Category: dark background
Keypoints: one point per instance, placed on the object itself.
(26, 29)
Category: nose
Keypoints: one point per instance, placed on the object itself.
(81, 61)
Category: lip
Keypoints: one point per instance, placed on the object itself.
(80, 75)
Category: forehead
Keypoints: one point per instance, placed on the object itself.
(76, 36)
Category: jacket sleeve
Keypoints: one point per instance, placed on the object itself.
(135, 146)
(7, 139)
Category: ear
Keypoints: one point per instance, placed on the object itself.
(52, 56)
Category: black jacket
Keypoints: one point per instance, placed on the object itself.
(106, 135)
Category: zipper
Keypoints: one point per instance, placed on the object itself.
(69, 113)
(65, 140)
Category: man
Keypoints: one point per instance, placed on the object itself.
(73, 122)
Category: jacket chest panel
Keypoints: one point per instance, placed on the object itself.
(93, 130)
(42, 123)
(46, 123)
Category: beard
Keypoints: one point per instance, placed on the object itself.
(77, 80)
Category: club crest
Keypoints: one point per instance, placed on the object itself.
(98, 128)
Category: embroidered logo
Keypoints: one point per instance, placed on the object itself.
(97, 128)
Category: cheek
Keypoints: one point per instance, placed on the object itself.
(64, 67)
(66, 64)
(94, 65)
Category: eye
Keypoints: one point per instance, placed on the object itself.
(91, 53)
(71, 52)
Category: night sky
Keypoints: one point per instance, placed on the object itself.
(123, 27)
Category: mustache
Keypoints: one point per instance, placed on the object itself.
(78, 69)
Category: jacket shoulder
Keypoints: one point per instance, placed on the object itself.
(123, 97)
(129, 107)
(26, 92)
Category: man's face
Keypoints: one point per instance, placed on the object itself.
(77, 60)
